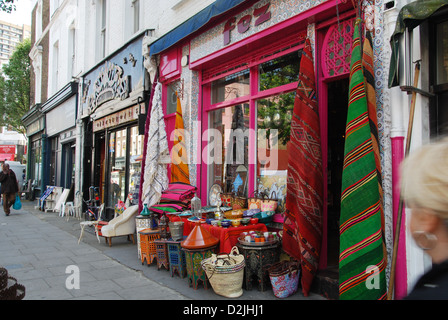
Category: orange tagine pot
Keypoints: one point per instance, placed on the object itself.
(199, 238)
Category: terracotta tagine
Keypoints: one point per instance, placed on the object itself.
(199, 238)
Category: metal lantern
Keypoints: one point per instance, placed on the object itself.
(163, 227)
(196, 206)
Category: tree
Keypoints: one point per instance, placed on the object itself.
(7, 5)
(15, 88)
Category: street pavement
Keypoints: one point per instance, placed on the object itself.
(41, 250)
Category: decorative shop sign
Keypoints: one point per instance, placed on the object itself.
(7, 149)
(110, 84)
(259, 15)
(118, 118)
(117, 78)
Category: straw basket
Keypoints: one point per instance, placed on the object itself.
(225, 273)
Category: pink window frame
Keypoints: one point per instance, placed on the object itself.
(251, 99)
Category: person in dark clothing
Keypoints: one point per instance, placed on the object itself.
(9, 187)
(424, 189)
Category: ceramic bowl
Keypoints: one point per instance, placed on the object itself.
(254, 220)
(245, 221)
(214, 223)
(236, 222)
(226, 223)
(209, 220)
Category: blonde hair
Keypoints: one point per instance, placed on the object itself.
(424, 178)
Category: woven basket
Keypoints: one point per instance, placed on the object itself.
(3, 278)
(284, 278)
(225, 273)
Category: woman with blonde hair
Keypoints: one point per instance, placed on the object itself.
(424, 189)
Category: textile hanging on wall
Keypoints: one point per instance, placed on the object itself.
(179, 159)
(361, 260)
(157, 153)
(145, 143)
(302, 234)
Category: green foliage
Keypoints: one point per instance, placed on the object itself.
(15, 88)
(7, 5)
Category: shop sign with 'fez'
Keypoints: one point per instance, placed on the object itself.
(258, 16)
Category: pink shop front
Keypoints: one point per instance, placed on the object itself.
(238, 74)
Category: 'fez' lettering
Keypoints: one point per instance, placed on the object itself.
(262, 14)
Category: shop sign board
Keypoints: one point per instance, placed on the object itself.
(114, 79)
(118, 118)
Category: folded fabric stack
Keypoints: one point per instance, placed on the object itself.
(9, 288)
(176, 198)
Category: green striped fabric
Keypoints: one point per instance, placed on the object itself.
(361, 258)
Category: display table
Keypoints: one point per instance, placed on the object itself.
(228, 237)
(148, 247)
(258, 260)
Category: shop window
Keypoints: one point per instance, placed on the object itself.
(274, 124)
(117, 165)
(171, 97)
(280, 71)
(125, 158)
(230, 87)
(264, 94)
(439, 67)
(229, 158)
(135, 162)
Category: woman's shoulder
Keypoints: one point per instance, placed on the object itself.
(433, 285)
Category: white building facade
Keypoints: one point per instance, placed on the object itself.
(94, 69)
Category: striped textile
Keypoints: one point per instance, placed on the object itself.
(302, 234)
(155, 170)
(369, 81)
(179, 161)
(361, 261)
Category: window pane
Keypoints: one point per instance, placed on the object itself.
(117, 160)
(230, 87)
(442, 53)
(135, 160)
(171, 97)
(228, 137)
(273, 123)
(279, 71)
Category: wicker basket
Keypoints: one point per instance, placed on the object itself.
(234, 214)
(225, 273)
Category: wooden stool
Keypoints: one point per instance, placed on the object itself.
(195, 272)
(147, 245)
(162, 254)
(258, 260)
(176, 258)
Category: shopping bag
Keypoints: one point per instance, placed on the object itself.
(17, 204)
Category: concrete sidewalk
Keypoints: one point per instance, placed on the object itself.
(37, 247)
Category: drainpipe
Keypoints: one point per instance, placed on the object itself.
(397, 104)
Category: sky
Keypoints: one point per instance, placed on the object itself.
(22, 14)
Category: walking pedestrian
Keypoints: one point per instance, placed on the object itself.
(9, 187)
(424, 189)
